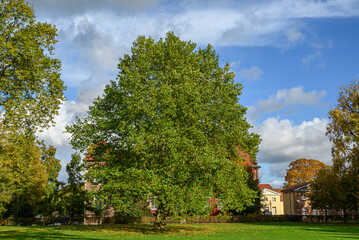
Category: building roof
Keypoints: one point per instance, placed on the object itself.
(269, 187)
(263, 186)
(296, 187)
(247, 159)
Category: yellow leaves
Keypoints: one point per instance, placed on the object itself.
(303, 170)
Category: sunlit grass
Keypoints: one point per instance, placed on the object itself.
(187, 231)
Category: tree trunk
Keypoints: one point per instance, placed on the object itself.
(160, 221)
(345, 216)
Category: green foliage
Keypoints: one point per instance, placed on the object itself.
(73, 195)
(25, 173)
(29, 178)
(75, 169)
(30, 94)
(168, 127)
(338, 186)
(30, 85)
(228, 231)
(52, 164)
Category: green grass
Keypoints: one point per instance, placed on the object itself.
(187, 231)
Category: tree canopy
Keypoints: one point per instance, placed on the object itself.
(303, 170)
(343, 131)
(30, 94)
(30, 85)
(169, 127)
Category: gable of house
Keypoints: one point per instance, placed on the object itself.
(271, 200)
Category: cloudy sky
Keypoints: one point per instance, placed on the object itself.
(290, 56)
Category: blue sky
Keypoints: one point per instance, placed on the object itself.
(290, 56)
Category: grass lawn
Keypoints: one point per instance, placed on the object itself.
(187, 231)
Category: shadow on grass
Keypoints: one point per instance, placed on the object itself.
(81, 232)
(339, 231)
(19, 235)
(145, 229)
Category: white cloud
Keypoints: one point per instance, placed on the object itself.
(283, 142)
(276, 183)
(93, 43)
(317, 54)
(284, 98)
(235, 23)
(253, 73)
(294, 35)
(60, 8)
(308, 59)
(236, 64)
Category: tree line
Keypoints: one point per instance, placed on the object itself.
(335, 186)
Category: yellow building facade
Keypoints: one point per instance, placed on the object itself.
(271, 202)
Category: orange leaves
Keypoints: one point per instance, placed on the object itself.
(303, 170)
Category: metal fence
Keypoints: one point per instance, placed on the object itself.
(54, 221)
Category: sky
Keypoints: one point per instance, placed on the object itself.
(290, 56)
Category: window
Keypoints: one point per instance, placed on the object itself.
(274, 199)
(266, 209)
(274, 210)
(266, 199)
(304, 211)
(303, 198)
(153, 203)
(219, 203)
(315, 212)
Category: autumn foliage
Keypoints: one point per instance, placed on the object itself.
(338, 186)
(303, 170)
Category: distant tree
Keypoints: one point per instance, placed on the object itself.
(74, 192)
(52, 164)
(22, 158)
(49, 204)
(7, 177)
(331, 190)
(303, 170)
(30, 85)
(28, 175)
(168, 127)
(343, 132)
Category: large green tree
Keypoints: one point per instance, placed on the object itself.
(30, 85)
(343, 131)
(168, 128)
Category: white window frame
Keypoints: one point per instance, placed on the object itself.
(274, 199)
(315, 212)
(304, 211)
(153, 205)
(274, 210)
